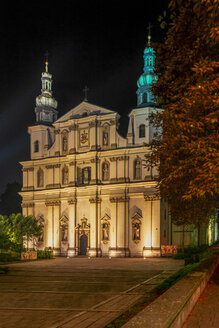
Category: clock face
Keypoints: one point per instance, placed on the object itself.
(84, 137)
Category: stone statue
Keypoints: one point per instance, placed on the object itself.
(105, 171)
(40, 178)
(64, 233)
(137, 169)
(136, 235)
(105, 138)
(65, 175)
(85, 175)
(64, 143)
(105, 231)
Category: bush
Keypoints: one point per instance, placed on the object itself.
(193, 254)
(4, 270)
(46, 254)
(9, 256)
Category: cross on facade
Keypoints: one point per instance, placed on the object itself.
(85, 90)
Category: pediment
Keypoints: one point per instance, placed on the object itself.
(82, 110)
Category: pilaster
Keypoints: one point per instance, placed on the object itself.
(72, 223)
(95, 249)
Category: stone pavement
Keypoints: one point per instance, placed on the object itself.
(78, 292)
(206, 311)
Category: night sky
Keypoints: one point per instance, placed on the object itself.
(95, 43)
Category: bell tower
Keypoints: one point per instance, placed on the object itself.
(144, 94)
(46, 105)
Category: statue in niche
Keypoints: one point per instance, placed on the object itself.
(41, 237)
(64, 143)
(41, 223)
(64, 232)
(105, 228)
(105, 172)
(137, 169)
(136, 231)
(85, 175)
(40, 178)
(65, 175)
(105, 138)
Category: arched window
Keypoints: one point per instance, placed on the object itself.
(145, 97)
(40, 178)
(142, 131)
(36, 146)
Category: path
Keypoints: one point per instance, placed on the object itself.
(76, 292)
(206, 311)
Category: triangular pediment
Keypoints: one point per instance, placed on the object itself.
(82, 110)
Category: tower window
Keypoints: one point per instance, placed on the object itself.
(145, 97)
(142, 131)
(36, 146)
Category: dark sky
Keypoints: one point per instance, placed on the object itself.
(95, 43)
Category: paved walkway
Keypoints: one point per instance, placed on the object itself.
(76, 292)
(206, 311)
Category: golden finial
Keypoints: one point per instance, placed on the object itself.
(46, 61)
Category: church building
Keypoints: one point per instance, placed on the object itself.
(87, 185)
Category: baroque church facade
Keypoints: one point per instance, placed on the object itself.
(87, 185)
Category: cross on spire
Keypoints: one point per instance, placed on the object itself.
(149, 33)
(85, 90)
(46, 60)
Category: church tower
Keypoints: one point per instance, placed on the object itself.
(139, 130)
(144, 94)
(46, 105)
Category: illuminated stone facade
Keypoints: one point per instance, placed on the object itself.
(87, 185)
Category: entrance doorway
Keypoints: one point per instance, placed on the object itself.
(83, 244)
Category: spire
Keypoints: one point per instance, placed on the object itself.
(46, 61)
(46, 105)
(144, 94)
(149, 34)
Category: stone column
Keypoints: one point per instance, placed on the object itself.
(95, 249)
(49, 226)
(25, 178)
(71, 230)
(56, 230)
(72, 175)
(119, 211)
(57, 142)
(152, 226)
(113, 225)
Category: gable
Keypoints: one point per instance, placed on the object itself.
(82, 110)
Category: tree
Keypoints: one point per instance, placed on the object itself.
(10, 200)
(187, 90)
(15, 228)
(5, 242)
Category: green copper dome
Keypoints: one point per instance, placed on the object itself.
(144, 94)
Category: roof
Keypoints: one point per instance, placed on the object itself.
(84, 109)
